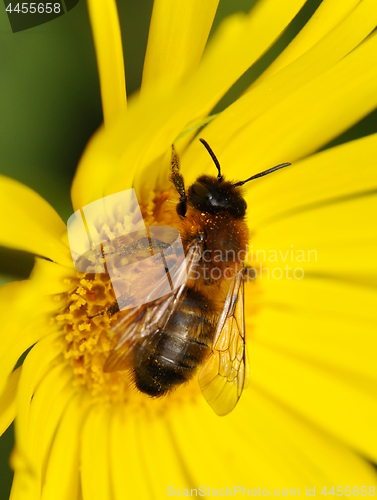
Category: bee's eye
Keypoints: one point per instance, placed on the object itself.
(201, 191)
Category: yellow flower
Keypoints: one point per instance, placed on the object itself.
(308, 416)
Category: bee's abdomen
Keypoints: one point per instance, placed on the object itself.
(169, 358)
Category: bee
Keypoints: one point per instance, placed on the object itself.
(199, 326)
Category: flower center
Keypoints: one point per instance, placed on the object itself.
(87, 322)
(92, 312)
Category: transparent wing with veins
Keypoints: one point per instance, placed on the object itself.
(152, 316)
(224, 375)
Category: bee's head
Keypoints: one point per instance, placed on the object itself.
(215, 195)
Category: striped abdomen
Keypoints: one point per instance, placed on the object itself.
(168, 358)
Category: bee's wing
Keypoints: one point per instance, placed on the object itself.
(152, 316)
(225, 373)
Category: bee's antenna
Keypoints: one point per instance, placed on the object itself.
(215, 160)
(262, 174)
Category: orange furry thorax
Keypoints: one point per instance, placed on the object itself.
(224, 248)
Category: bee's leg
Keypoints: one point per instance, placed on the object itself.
(118, 304)
(177, 180)
(110, 311)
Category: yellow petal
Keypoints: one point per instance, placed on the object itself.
(325, 322)
(326, 298)
(50, 278)
(108, 44)
(307, 456)
(345, 407)
(35, 440)
(114, 154)
(21, 482)
(154, 434)
(29, 223)
(145, 133)
(333, 47)
(37, 364)
(240, 40)
(128, 470)
(299, 124)
(222, 456)
(260, 444)
(62, 475)
(47, 407)
(325, 19)
(177, 37)
(325, 177)
(335, 240)
(95, 456)
(24, 323)
(8, 400)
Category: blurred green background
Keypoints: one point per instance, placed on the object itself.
(50, 106)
